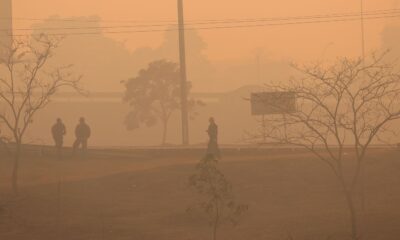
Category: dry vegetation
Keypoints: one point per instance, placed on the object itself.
(137, 195)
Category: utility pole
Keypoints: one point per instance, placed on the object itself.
(362, 30)
(6, 25)
(184, 88)
(258, 60)
(362, 171)
(263, 124)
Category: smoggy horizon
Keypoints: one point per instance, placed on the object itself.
(313, 41)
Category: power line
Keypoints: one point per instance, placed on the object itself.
(346, 19)
(387, 11)
(173, 22)
(209, 23)
(83, 20)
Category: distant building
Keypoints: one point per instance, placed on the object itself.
(5, 24)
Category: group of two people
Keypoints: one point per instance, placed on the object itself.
(82, 134)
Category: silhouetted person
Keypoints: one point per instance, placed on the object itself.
(58, 131)
(82, 133)
(2, 139)
(4, 143)
(213, 139)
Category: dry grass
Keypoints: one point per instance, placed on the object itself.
(145, 197)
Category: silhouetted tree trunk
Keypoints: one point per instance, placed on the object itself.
(216, 222)
(17, 157)
(353, 216)
(349, 196)
(164, 116)
(165, 131)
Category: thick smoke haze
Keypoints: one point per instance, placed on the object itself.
(199, 120)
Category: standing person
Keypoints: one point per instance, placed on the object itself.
(58, 132)
(4, 143)
(82, 133)
(213, 139)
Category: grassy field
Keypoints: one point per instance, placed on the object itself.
(118, 195)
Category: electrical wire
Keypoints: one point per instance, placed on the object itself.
(193, 21)
(202, 23)
(310, 20)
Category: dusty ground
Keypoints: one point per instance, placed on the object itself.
(144, 195)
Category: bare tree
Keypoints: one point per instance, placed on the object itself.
(154, 96)
(218, 200)
(343, 107)
(27, 85)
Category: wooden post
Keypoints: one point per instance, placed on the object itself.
(184, 88)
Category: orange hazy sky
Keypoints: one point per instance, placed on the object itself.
(297, 42)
